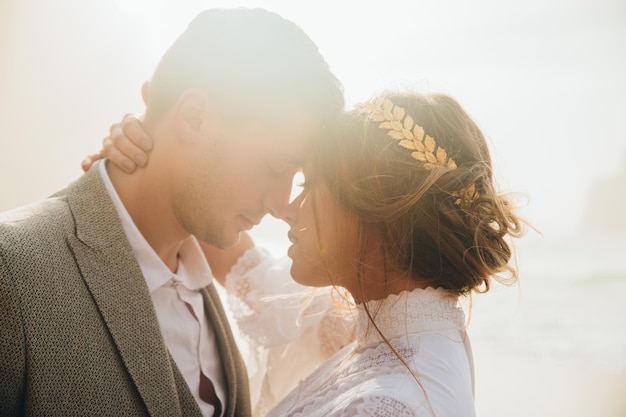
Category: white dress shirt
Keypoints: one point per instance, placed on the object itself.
(179, 305)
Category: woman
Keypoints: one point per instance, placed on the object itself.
(399, 209)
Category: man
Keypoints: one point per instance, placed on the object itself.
(106, 302)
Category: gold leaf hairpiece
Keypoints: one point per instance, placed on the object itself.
(410, 135)
(465, 196)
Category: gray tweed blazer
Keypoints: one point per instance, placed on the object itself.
(78, 332)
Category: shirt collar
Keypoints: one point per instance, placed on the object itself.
(423, 310)
(193, 270)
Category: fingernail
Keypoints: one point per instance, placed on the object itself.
(141, 159)
(128, 166)
(145, 144)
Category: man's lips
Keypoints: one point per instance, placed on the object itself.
(292, 237)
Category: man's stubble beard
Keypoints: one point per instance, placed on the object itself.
(196, 204)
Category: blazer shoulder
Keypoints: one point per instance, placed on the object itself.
(35, 218)
(55, 216)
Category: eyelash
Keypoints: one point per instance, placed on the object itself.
(280, 167)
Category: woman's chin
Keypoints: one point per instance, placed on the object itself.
(299, 275)
(295, 272)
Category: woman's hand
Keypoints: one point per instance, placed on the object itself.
(127, 146)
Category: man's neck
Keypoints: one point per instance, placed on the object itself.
(145, 197)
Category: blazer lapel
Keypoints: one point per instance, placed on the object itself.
(234, 368)
(118, 287)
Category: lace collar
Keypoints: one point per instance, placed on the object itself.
(410, 312)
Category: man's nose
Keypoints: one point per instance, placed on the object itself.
(276, 201)
(288, 213)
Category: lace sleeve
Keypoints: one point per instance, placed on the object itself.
(381, 405)
(361, 400)
(268, 306)
(288, 329)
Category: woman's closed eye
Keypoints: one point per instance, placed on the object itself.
(282, 167)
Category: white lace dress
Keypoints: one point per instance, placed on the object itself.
(308, 357)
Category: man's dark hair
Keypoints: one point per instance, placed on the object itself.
(248, 61)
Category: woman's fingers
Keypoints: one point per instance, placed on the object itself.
(127, 146)
(89, 160)
(133, 130)
(117, 157)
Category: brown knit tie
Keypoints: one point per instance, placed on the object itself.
(207, 394)
(207, 390)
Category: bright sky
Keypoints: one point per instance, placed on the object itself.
(543, 78)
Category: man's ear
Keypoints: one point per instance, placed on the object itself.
(196, 116)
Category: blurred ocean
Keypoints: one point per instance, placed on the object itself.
(570, 304)
(555, 345)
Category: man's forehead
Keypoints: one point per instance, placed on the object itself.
(293, 132)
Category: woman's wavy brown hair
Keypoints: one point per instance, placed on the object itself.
(412, 209)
